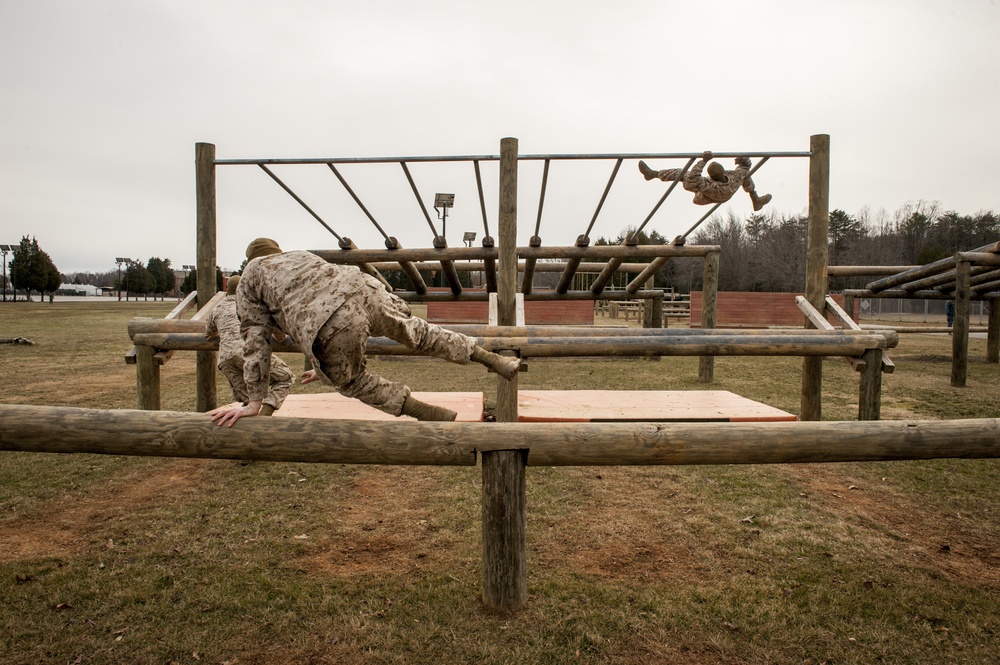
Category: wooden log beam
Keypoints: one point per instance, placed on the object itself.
(547, 266)
(487, 253)
(980, 258)
(646, 273)
(723, 344)
(866, 271)
(140, 325)
(174, 434)
(945, 282)
(924, 271)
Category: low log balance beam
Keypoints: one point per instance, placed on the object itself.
(176, 434)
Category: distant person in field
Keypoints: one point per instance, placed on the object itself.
(224, 324)
(330, 311)
(718, 187)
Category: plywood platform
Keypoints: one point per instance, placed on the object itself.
(469, 406)
(550, 406)
(547, 406)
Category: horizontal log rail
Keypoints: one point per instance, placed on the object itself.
(354, 256)
(719, 344)
(866, 271)
(141, 325)
(174, 434)
(543, 266)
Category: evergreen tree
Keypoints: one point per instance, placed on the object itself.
(32, 269)
(161, 276)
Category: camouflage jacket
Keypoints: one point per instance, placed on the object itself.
(709, 191)
(224, 322)
(294, 292)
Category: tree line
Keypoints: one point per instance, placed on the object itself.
(31, 270)
(767, 251)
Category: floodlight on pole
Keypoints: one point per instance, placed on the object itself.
(444, 202)
(119, 260)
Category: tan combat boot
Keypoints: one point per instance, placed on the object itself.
(505, 366)
(760, 201)
(423, 411)
(647, 172)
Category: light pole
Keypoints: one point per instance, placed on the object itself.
(5, 249)
(444, 202)
(120, 261)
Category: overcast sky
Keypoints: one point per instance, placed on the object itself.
(104, 101)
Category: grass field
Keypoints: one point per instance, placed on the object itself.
(145, 560)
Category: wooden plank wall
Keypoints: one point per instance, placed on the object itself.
(736, 309)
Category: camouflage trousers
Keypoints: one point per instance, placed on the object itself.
(341, 342)
(279, 384)
(697, 183)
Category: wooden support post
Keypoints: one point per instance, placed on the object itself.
(870, 391)
(147, 379)
(529, 267)
(710, 292)
(205, 361)
(817, 259)
(849, 306)
(993, 332)
(653, 313)
(505, 576)
(960, 330)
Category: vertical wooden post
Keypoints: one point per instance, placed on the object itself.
(817, 257)
(870, 392)
(653, 311)
(710, 293)
(993, 332)
(505, 575)
(849, 307)
(205, 361)
(960, 330)
(147, 379)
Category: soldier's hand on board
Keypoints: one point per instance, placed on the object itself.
(309, 376)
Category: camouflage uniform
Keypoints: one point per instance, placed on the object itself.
(707, 190)
(331, 311)
(224, 322)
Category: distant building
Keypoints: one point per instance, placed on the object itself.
(78, 290)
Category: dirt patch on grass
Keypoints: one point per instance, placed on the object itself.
(66, 528)
(928, 537)
(386, 526)
(630, 529)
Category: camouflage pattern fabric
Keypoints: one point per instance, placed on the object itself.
(224, 322)
(705, 189)
(330, 311)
